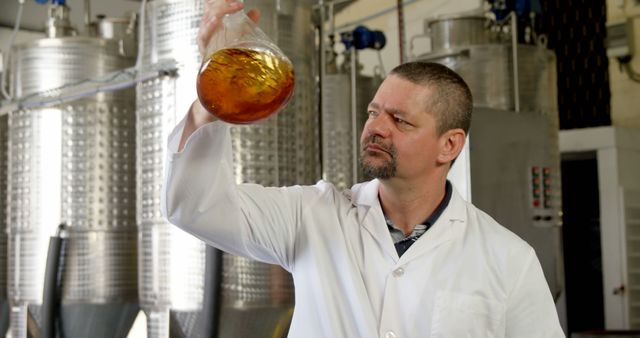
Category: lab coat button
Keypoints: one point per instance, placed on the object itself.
(398, 273)
(389, 334)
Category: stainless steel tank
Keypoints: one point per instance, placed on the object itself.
(339, 137)
(485, 60)
(4, 303)
(74, 164)
(514, 132)
(256, 298)
(488, 70)
(284, 150)
(172, 262)
(458, 30)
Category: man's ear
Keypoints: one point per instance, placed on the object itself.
(451, 144)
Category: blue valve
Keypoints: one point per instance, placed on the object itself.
(502, 8)
(53, 2)
(363, 38)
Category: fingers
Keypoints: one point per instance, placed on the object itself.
(207, 27)
(254, 15)
(214, 10)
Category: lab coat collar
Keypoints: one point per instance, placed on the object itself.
(366, 194)
(365, 198)
(450, 224)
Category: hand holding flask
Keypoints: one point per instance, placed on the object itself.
(244, 76)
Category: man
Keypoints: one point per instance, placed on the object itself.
(400, 256)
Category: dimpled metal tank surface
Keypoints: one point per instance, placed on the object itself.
(74, 164)
(255, 299)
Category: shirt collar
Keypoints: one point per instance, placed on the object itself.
(427, 223)
(431, 220)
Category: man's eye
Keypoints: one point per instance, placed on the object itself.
(371, 113)
(400, 120)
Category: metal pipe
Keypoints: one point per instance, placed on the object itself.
(452, 53)
(332, 20)
(276, 125)
(111, 82)
(52, 284)
(401, 30)
(354, 115)
(212, 298)
(514, 51)
(321, 77)
(632, 73)
(5, 60)
(87, 13)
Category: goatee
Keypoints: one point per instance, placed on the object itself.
(385, 170)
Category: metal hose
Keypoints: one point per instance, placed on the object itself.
(212, 301)
(52, 284)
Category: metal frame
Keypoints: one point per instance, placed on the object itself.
(618, 155)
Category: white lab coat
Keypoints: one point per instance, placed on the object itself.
(465, 277)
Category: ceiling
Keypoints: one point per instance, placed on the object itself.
(34, 14)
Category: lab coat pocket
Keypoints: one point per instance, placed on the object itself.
(457, 315)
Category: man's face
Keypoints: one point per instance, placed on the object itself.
(399, 139)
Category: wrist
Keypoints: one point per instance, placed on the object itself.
(199, 116)
(196, 118)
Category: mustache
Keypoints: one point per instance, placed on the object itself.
(377, 140)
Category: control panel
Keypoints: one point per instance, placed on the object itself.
(541, 195)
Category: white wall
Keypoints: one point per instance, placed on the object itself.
(625, 94)
(415, 13)
(625, 97)
(34, 14)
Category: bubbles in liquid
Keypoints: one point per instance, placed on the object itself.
(240, 85)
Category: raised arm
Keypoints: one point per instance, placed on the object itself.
(200, 194)
(211, 21)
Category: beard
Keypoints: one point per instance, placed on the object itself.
(385, 170)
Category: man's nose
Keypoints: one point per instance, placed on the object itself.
(380, 124)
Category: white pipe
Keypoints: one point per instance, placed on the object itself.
(514, 51)
(321, 80)
(354, 116)
(5, 66)
(141, 15)
(87, 13)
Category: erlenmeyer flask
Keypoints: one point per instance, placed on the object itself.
(244, 77)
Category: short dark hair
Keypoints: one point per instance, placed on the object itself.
(452, 104)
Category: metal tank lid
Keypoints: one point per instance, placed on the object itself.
(477, 14)
(56, 42)
(126, 48)
(104, 31)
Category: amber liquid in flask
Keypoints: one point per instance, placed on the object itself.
(241, 85)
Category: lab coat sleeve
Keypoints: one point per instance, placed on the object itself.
(201, 197)
(531, 311)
